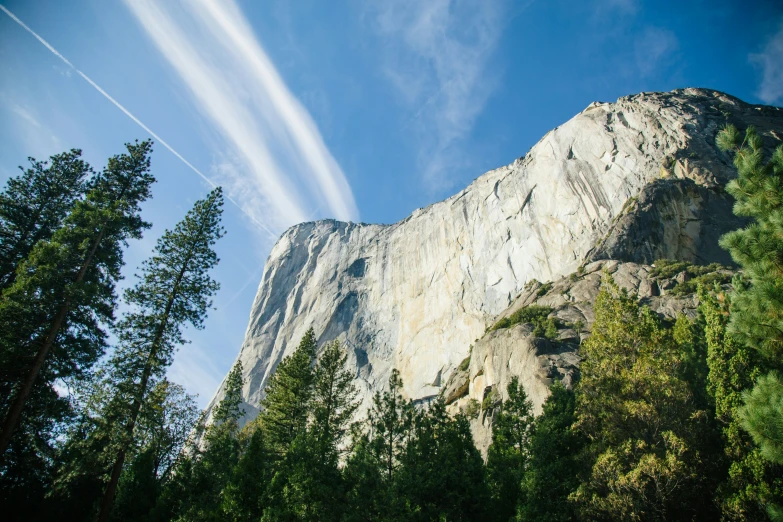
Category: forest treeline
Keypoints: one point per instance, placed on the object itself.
(670, 420)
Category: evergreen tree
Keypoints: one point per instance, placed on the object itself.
(553, 465)
(334, 403)
(50, 317)
(637, 412)
(371, 471)
(175, 289)
(441, 474)
(164, 426)
(757, 305)
(288, 395)
(751, 482)
(203, 479)
(313, 482)
(757, 308)
(508, 453)
(35, 204)
(245, 496)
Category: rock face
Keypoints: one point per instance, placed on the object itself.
(416, 294)
(537, 361)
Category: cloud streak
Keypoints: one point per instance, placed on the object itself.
(273, 146)
(437, 62)
(138, 122)
(770, 60)
(653, 50)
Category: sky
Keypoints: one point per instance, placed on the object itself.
(353, 110)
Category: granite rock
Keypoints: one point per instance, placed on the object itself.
(416, 294)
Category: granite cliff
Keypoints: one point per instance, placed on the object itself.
(635, 180)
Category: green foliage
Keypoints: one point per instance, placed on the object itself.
(472, 409)
(695, 275)
(51, 317)
(757, 308)
(288, 396)
(552, 472)
(413, 464)
(490, 400)
(372, 468)
(544, 289)
(85, 458)
(441, 474)
(508, 454)
(245, 495)
(163, 429)
(34, 205)
(756, 319)
(195, 492)
(762, 416)
(174, 290)
(334, 403)
(538, 316)
(637, 412)
(668, 268)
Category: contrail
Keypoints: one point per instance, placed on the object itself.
(131, 116)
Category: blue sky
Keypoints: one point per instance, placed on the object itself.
(361, 111)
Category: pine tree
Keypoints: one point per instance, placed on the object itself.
(757, 305)
(287, 402)
(312, 480)
(245, 496)
(208, 472)
(507, 455)
(371, 472)
(441, 474)
(553, 465)
(334, 403)
(757, 308)
(50, 317)
(35, 204)
(164, 425)
(175, 289)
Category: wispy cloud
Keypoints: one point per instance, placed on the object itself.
(275, 148)
(24, 114)
(38, 138)
(653, 49)
(437, 60)
(130, 115)
(770, 60)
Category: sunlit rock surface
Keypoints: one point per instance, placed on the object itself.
(633, 180)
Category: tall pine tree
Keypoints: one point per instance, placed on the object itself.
(507, 455)
(287, 402)
(175, 289)
(757, 305)
(751, 482)
(313, 480)
(553, 463)
(204, 474)
(372, 468)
